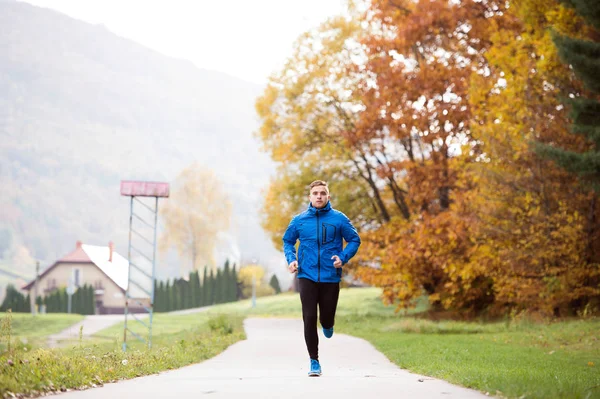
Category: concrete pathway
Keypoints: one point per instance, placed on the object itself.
(95, 323)
(273, 363)
(91, 325)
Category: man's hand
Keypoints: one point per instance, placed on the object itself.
(293, 267)
(337, 262)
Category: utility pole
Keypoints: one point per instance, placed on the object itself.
(34, 310)
(253, 290)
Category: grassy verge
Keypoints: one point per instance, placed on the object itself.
(557, 360)
(509, 359)
(87, 364)
(33, 330)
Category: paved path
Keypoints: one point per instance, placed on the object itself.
(95, 323)
(91, 325)
(273, 363)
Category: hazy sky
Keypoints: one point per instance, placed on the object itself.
(249, 39)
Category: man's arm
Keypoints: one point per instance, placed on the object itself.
(289, 242)
(352, 238)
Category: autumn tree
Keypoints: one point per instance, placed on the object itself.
(421, 58)
(253, 274)
(305, 110)
(197, 211)
(531, 234)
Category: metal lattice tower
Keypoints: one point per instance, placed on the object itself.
(141, 254)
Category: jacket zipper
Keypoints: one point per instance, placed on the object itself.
(318, 250)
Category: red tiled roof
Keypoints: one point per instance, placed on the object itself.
(78, 255)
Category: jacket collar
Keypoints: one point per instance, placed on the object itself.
(314, 210)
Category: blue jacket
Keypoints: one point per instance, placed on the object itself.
(320, 232)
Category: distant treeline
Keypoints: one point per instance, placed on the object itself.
(213, 288)
(219, 287)
(82, 301)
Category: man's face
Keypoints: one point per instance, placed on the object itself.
(319, 196)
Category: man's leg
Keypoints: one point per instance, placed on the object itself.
(309, 295)
(328, 299)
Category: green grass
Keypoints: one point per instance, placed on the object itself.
(33, 330)
(511, 359)
(27, 325)
(557, 360)
(86, 364)
(355, 301)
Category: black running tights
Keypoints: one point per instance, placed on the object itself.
(325, 295)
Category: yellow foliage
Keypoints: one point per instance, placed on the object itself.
(247, 274)
(196, 212)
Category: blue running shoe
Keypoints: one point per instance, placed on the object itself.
(327, 332)
(315, 368)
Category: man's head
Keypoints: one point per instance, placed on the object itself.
(318, 194)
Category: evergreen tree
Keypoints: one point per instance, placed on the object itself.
(196, 289)
(64, 300)
(211, 289)
(275, 284)
(219, 287)
(13, 300)
(176, 295)
(168, 297)
(156, 303)
(181, 286)
(205, 288)
(50, 303)
(39, 301)
(226, 282)
(76, 300)
(584, 57)
(92, 300)
(236, 289)
(163, 296)
(185, 294)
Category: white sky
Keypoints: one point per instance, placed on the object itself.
(249, 39)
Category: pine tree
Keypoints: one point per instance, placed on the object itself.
(211, 289)
(584, 57)
(235, 290)
(168, 297)
(226, 293)
(92, 300)
(197, 293)
(39, 301)
(76, 300)
(275, 284)
(219, 287)
(205, 288)
(28, 303)
(177, 295)
(156, 303)
(13, 300)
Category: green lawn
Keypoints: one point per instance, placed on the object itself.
(85, 363)
(557, 360)
(508, 359)
(355, 301)
(33, 330)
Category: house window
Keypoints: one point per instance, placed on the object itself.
(76, 277)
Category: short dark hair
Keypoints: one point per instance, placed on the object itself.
(318, 183)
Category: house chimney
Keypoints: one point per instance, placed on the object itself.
(78, 244)
(111, 248)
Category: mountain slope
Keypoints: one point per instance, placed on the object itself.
(82, 109)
